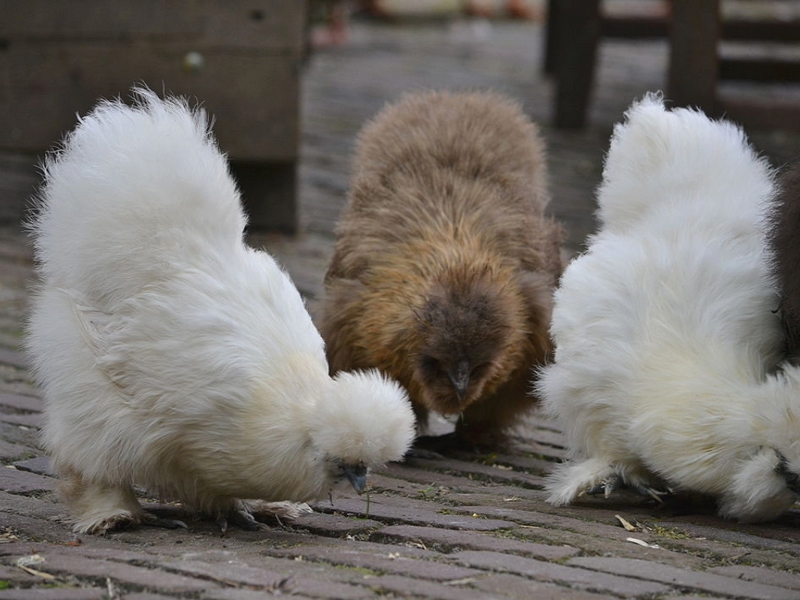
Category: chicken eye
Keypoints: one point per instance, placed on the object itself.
(431, 366)
(478, 370)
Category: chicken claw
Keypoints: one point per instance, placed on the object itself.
(651, 492)
(610, 484)
(249, 515)
(154, 521)
(607, 486)
(242, 518)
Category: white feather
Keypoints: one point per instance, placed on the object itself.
(665, 328)
(171, 355)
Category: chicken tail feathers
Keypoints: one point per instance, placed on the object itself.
(665, 154)
(129, 183)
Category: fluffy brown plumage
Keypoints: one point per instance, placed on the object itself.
(785, 241)
(445, 262)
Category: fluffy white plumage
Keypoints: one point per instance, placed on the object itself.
(170, 354)
(665, 329)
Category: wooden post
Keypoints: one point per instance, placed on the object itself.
(694, 61)
(577, 33)
(550, 34)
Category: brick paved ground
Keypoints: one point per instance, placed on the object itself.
(461, 527)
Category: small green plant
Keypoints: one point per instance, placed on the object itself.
(672, 533)
(427, 492)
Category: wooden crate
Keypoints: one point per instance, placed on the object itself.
(240, 58)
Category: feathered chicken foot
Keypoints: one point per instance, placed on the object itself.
(102, 507)
(599, 475)
(612, 483)
(250, 514)
(607, 486)
(240, 518)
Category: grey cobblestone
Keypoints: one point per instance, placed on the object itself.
(481, 472)
(17, 576)
(57, 593)
(384, 562)
(28, 420)
(15, 481)
(691, 597)
(43, 506)
(240, 594)
(10, 451)
(449, 540)
(26, 403)
(39, 465)
(147, 596)
(463, 526)
(412, 514)
(425, 589)
(708, 582)
(765, 576)
(545, 571)
(60, 562)
(430, 479)
(514, 586)
(314, 588)
(234, 575)
(13, 358)
(782, 535)
(330, 524)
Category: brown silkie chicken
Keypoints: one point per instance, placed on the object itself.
(445, 262)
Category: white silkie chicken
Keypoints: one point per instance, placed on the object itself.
(665, 329)
(172, 356)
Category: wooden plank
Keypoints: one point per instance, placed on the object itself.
(275, 24)
(759, 69)
(693, 68)
(642, 27)
(253, 97)
(774, 114)
(769, 30)
(637, 27)
(52, 19)
(268, 191)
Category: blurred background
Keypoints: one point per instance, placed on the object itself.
(290, 82)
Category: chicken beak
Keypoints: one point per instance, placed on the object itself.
(356, 475)
(459, 377)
